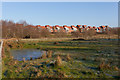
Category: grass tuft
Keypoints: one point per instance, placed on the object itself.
(58, 61)
(68, 57)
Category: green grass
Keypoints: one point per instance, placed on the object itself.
(85, 59)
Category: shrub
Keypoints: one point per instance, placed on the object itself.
(61, 33)
(44, 33)
(76, 34)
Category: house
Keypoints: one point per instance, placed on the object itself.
(74, 28)
(69, 29)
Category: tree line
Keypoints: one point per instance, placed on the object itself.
(22, 29)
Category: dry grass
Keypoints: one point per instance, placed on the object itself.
(116, 68)
(68, 57)
(38, 73)
(58, 61)
(44, 55)
(49, 54)
(24, 60)
(15, 62)
(103, 65)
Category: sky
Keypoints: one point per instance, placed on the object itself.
(62, 13)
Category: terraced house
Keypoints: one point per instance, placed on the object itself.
(72, 28)
(68, 29)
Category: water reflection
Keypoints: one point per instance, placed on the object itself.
(27, 54)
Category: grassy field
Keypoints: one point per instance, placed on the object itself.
(66, 58)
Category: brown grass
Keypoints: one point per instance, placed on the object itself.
(38, 74)
(116, 68)
(24, 60)
(44, 55)
(49, 54)
(58, 61)
(103, 65)
(68, 57)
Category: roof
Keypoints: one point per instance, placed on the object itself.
(64, 25)
(56, 25)
(89, 26)
(42, 27)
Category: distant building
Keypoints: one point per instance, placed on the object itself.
(69, 29)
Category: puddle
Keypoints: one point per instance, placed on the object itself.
(27, 54)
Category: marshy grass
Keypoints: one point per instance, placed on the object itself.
(68, 64)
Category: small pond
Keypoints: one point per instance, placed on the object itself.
(27, 54)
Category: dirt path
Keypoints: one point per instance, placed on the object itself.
(1, 45)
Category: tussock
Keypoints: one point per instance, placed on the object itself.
(43, 55)
(24, 60)
(68, 57)
(58, 61)
(49, 54)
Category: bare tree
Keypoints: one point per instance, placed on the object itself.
(44, 33)
(88, 34)
(61, 33)
(76, 34)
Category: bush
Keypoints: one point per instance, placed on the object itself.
(76, 34)
(89, 33)
(61, 33)
(44, 33)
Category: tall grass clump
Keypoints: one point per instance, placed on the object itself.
(49, 54)
(58, 61)
(68, 57)
(43, 55)
(24, 60)
(103, 65)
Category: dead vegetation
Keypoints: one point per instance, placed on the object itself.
(49, 54)
(104, 65)
(68, 57)
(58, 61)
(44, 55)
